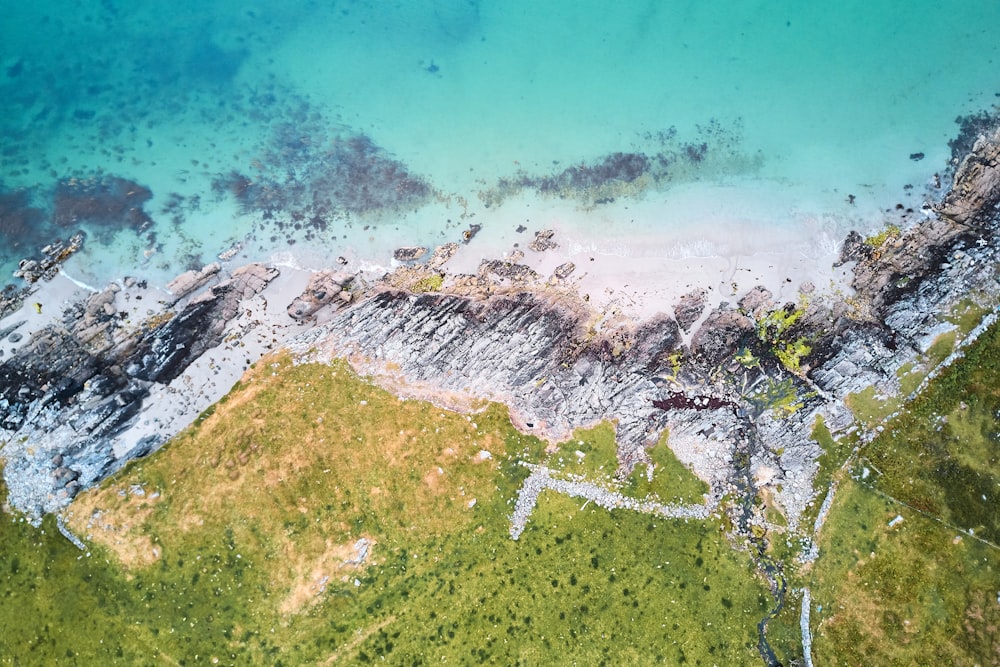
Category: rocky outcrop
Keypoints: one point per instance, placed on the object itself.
(32, 271)
(757, 303)
(535, 353)
(324, 288)
(720, 334)
(161, 354)
(689, 308)
(853, 249)
(525, 350)
(495, 271)
(72, 387)
(897, 270)
(543, 241)
(53, 255)
(441, 255)
(917, 262)
(975, 193)
(564, 270)
(189, 281)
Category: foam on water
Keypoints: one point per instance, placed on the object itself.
(784, 122)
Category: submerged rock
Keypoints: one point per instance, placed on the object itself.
(409, 253)
(109, 201)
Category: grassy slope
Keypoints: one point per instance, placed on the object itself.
(230, 544)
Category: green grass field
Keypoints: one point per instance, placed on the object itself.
(233, 544)
(909, 566)
(238, 543)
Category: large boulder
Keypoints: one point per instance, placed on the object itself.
(757, 302)
(974, 197)
(323, 289)
(689, 308)
(543, 241)
(719, 335)
(189, 281)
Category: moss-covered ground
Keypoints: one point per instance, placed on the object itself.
(238, 543)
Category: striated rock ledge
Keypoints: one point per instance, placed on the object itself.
(974, 197)
(539, 352)
(71, 393)
(74, 386)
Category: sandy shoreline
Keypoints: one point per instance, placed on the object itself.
(627, 269)
(158, 359)
(631, 265)
(632, 262)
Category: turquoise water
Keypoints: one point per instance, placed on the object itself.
(758, 114)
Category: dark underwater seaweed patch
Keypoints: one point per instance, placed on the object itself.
(310, 179)
(623, 167)
(108, 201)
(20, 222)
(359, 176)
(714, 148)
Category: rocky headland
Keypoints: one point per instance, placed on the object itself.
(738, 385)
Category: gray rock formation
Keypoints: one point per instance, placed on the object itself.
(689, 308)
(53, 255)
(189, 281)
(853, 249)
(543, 241)
(564, 270)
(757, 302)
(720, 334)
(324, 288)
(441, 255)
(524, 350)
(506, 273)
(975, 194)
(33, 271)
(74, 386)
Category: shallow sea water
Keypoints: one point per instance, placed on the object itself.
(767, 119)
